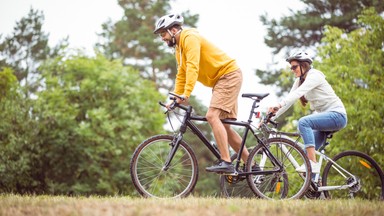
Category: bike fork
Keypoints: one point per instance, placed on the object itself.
(175, 145)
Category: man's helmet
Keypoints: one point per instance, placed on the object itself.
(300, 56)
(168, 21)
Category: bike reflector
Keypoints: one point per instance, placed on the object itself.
(365, 164)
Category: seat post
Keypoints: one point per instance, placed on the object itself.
(252, 112)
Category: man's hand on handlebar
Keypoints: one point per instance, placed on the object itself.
(179, 99)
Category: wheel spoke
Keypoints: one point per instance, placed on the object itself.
(152, 180)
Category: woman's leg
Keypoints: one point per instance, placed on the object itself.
(326, 121)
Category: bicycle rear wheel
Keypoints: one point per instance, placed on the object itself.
(148, 173)
(286, 183)
(358, 170)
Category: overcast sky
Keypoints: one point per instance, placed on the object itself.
(233, 25)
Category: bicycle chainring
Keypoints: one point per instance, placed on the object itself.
(311, 194)
(231, 179)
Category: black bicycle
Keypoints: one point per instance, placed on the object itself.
(165, 166)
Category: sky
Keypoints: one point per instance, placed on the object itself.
(232, 25)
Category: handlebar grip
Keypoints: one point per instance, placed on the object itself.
(162, 104)
(174, 96)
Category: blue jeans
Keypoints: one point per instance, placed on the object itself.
(313, 128)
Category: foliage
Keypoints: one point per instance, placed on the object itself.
(132, 40)
(7, 82)
(26, 48)
(19, 157)
(354, 64)
(82, 130)
(305, 28)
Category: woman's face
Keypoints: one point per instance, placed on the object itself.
(295, 67)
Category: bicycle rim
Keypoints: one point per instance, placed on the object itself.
(285, 184)
(149, 176)
(366, 180)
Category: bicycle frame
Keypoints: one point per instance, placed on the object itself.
(188, 120)
(322, 156)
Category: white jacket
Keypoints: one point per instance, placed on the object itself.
(317, 91)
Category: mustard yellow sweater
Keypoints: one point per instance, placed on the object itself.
(199, 60)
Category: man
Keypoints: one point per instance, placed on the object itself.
(200, 60)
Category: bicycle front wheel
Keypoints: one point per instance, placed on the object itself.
(355, 175)
(282, 182)
(152, 179)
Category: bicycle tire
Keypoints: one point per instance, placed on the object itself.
(148, 175)
(370, 176)
(235, 186)
(286, 184)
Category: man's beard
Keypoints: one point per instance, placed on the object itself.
(171, 43)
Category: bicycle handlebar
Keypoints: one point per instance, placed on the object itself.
(268, 119)
(174, 104)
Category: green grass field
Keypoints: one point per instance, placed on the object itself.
(14, 205)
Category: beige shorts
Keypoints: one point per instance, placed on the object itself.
(225, 94)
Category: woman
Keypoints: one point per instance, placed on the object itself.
(329, 112)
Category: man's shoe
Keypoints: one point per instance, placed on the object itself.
(221, 167)
(315, 167)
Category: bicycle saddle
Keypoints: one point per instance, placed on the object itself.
(255, 96)
(329, 134)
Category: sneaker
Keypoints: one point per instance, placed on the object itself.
(315, 167)
(221, 167)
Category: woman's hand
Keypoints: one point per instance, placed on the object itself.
(274, 108)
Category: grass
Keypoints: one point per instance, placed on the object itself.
(60, 205)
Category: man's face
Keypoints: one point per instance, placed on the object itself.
(166, 37)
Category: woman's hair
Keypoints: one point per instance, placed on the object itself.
(305, 67)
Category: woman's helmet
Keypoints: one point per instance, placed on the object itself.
(168, 21)
(300, 56)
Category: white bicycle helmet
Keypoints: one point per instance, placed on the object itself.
(300, 56)
(168, 21)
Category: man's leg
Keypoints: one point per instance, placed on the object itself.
(219, 132)
(224, 105)
(234, 140)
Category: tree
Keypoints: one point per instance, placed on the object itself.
(354, 63)
(132, 40)
(26, 48)
(306, 28)
(7, 83)
(81, 131)
(18, 155)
